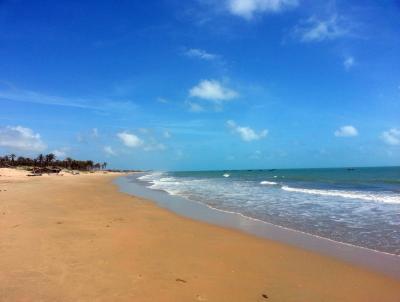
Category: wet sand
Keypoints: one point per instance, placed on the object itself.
(77, 238)
(388, 264)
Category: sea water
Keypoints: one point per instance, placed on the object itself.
(359, 206)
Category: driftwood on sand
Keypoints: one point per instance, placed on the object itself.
(38, 171)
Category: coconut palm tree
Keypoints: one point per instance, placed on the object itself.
(12, 156)
(68, 161)
(40, 159)
(50, 158)
(89, 165)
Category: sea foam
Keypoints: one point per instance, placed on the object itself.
(347, 194)
(269, 183)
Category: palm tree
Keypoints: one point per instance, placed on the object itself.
(40, 159)
(13, 156)
(89, 164)
(69, 160)
(50, 158)
(21, 161)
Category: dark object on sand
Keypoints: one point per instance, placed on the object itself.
(41, 170)
(264, 296)
(180, 280)
(35, 174)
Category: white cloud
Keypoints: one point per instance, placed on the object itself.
(11, 93)
(315, 30)
(167, 134)
(95, 132)
(87, 136)
(27, 96)
(20, 138)
(212, 90)
(109, 151)
(256, 155)
(246, 133)
(200, 54)
(129, 139)
(346, 131)
(248, 8)
(133, 141)
(194, 107)
(60, 153)
(144, 130)
(348, 62)
(162, 100)
(154, 146)
(391, 136)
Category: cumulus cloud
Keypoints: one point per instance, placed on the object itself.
(246, 133)
(316, 30)
(391, 137)
(109, 150)
(248, 8)
(212, 90)
(129, 139)
(348, 62)
(200, 54)
(20, 138)
(346, 131)
(133, 141)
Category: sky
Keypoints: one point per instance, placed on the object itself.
(202, 84)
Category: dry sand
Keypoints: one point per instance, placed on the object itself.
(78, 239)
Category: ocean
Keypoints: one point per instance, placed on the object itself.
(358, 206)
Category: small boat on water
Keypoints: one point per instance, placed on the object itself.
(226, 175)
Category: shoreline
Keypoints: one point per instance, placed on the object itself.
(374, 260)
(79, 238)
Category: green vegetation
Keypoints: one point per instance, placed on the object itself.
(49, 160)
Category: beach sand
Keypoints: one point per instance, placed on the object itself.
(76, 238)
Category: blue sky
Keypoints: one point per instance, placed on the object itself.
(202, 84)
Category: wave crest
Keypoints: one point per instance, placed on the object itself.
(269, 183)
(346, 194)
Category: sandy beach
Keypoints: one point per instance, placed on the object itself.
(77, 238)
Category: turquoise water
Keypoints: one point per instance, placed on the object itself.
(358, 206)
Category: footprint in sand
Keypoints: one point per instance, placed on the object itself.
(264, 296)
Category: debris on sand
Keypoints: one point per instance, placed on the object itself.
(180, 280)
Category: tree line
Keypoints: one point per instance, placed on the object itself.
(46, 160)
